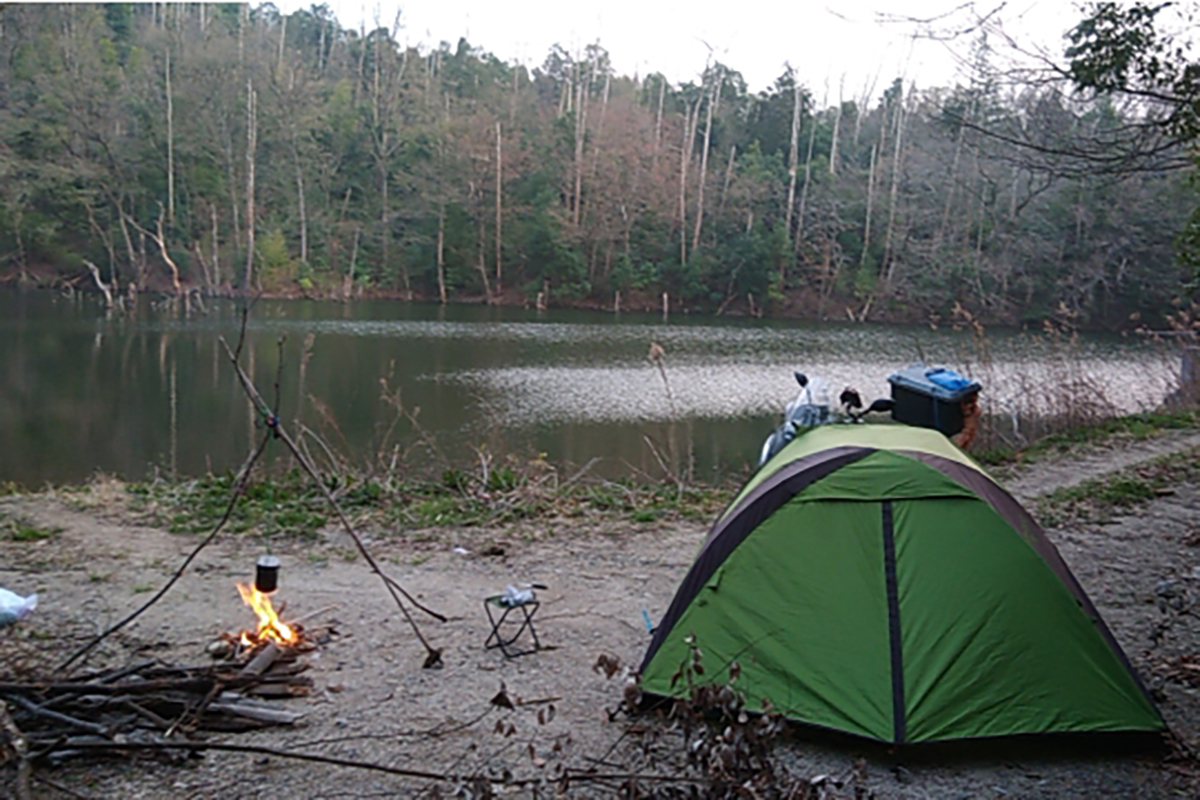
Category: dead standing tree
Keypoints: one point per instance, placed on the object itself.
(159, 238)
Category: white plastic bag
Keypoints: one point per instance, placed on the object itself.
(13, 607)
(515, 597)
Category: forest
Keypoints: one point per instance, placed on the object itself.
(220, 149)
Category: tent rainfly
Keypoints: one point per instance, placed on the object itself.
(872, 579)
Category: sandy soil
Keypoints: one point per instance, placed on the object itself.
(374, 702)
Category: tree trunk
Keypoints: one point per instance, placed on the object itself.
(714, 92)
(481, 251)
(793, 159)
(683, 165)
(204, 268)
(870, 199)
(348, 283)
(216, 252)
(104, 288)
(282, 40)
(251, 148)
(662, 92)
(499, 217)
(580, 135)
(134, 264)
(441, 242)
(837, 125)
(600, 127)
(385, 228)
(161, 241)
(728, 177)
(812, 139)
(897, 153)
(170, 145)
(300, 200)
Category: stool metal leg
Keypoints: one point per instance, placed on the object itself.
(497, 639)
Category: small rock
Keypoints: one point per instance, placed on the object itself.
(220, 648)
(1166, 587)
(902, 774)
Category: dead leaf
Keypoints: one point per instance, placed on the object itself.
(501, 699)
(608, 664)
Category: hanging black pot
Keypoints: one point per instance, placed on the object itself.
(266, 574)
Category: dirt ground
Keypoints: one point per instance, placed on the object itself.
(374, 702)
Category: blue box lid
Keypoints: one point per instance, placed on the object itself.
(937, 382)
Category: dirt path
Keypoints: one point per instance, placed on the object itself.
(1081, 464)
(374, 702)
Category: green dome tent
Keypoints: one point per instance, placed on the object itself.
(872, 579)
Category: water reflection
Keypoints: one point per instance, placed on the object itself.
(80, 392)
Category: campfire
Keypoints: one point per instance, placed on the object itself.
(270, 627)
(271, 633)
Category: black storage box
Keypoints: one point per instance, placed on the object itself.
(931, 397)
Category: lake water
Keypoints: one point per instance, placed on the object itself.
(82, 393)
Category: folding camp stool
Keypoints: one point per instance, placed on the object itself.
(498, 607)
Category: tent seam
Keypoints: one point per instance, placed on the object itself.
(893, 605)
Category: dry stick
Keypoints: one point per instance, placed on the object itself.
(433, 657)
(239, 486)
(20, 747)
(663, 464)
(345, 762)
(83, 725)
(58, 787)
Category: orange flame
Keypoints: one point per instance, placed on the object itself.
(270, 626)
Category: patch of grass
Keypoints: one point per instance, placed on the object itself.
(32, 533)
(19, 529)
(1136, 426)
(1099, 499)
(290, 505)
(142, 588)
(99, 577)
(287, 504)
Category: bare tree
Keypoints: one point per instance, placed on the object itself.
(499, 208)
(251, 151)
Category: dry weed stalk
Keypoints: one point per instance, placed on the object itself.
(731, 749)
(1061, 394)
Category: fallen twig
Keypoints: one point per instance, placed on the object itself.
(58, 716)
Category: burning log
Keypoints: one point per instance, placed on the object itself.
(262, 661)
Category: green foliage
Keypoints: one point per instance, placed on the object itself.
(276, 266)
(24, 531)
(287, 505)
(388, 156)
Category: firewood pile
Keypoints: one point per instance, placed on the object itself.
(150, 702)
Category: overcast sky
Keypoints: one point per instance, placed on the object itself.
(822, 40)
